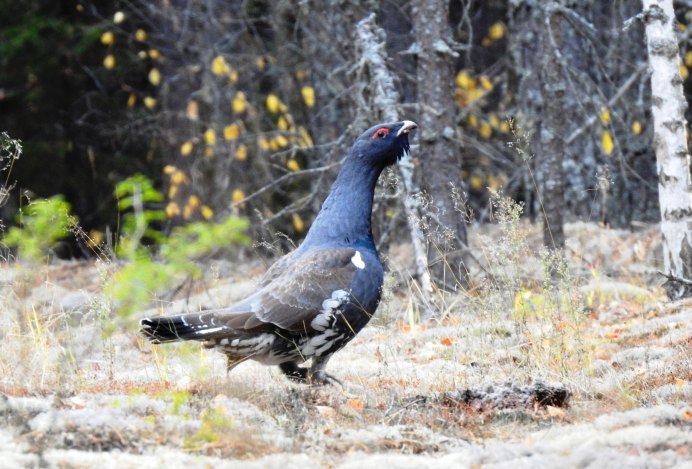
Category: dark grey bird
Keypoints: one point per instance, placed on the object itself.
(314, 300)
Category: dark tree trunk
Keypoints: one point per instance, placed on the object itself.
(552, 132)
(439, 154)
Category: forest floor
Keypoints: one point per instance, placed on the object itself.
(591, 371)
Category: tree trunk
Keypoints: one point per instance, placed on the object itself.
(440, 159)
(672, 156)
(370, 41)
(552, 131)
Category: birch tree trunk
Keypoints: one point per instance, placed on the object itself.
(370, 41)
(672, 155)
(440, 159)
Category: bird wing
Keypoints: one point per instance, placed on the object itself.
(294, 297)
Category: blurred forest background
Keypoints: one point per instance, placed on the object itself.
(246, 107)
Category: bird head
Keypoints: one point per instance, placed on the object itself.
(384, 144)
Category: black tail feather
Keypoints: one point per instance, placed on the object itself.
(192, 326)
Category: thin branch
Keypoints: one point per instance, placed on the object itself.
(611, 102)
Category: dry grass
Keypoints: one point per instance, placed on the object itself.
(412, 389)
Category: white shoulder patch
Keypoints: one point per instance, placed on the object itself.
(358, 261)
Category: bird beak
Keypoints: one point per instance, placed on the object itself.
(406, 128)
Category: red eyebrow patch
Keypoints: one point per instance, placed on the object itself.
(382, 132)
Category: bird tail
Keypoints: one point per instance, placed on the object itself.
(191, 326)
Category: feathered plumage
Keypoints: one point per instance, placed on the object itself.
(315, 299)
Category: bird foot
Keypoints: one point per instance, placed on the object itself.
(307, 376)
(320, 379)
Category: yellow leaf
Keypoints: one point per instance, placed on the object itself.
(108, 38)
(495, 182)
(605, 116)
(207, 212)
(308, 95)
(476, 183)
(192, 110)
(636, 127)
(172, 210)
(219, 66)
(300, 75)
(494, 121)
(209, 152)
(186, 148)
(241, 153)
(273, 103)
(169, 169)
(155, 76)
(682, 27)
(237, 196)
(172, 191)
(193, 201)
(486, 83)
(233, 75)
(292, 165)
(209, 136)
(131, 100)
(485, 130)
(485, 42)
(179, 177)
(154, 54)
(472, 120)
(95, 238)
(231, 132)
(119, 17)
(298, 223)
(282, 123)
(140, 35)
(684, 72)
(504, 127)
(607, 142)
(281, 141)
(497, 31)
(187, 212)
(305, 136)
(109, 61)
(474, 94)
(150, 102)
(239, 103)
(263, 143)
(463, 80)
(260, 63)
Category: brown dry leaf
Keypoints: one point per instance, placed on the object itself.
(555, 412)
(325, 411)
(356, 404)
(447, 341)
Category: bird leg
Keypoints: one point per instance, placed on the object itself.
(317, 376)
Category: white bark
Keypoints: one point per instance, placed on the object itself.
(670, 139)
(370, 40)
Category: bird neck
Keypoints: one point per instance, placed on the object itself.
(345, 217)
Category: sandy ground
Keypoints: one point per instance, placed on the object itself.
(595, 372)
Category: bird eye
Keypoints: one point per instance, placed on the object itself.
(381, 133)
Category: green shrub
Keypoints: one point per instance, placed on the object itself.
(42, 224)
